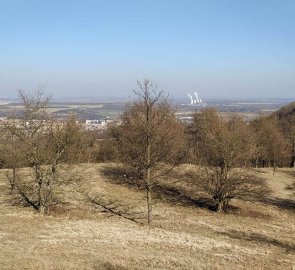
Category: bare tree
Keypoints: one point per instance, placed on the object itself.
(237, 184)
(149, 139)
(43, 143)
(224, 144)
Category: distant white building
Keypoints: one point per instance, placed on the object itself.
(95, 124)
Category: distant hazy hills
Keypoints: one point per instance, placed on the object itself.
(6, 100)
(93, 99)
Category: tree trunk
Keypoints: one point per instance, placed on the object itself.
(274, 168)
(149, 205)
(225, 205)
(13, 180)
(148, 185)
(40, 182)
(148, 176)
(220, 206)
(42, 209)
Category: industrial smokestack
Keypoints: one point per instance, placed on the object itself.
(197, 97)
(194, 98)
(191, 98)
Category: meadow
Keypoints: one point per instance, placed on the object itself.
(185, 235)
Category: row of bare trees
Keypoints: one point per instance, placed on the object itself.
(150, 141)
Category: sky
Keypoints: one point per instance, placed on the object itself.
(219, 48)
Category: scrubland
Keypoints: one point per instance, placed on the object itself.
(185, 234)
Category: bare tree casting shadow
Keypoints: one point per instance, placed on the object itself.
(177, 195)
(259, 238)
(161, 191)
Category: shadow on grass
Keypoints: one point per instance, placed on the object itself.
(259, 238)
(108, 266)
(287, 204)
(176, 196)
(163, 192)
(123, 176)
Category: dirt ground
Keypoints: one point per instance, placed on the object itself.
(79, 236)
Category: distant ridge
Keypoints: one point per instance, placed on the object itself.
(90, 99)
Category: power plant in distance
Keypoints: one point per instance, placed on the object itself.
(196, 100)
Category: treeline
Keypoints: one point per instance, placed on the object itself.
(150, 142)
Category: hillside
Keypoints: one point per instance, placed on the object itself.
(286, 118)
(79, 236)
(286, 111)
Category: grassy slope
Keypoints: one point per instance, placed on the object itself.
(255, 236)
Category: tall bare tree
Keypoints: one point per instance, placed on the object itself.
(149, 139)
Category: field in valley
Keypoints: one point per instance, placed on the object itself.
(78, 235)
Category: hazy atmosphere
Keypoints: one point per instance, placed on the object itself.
(222, 49)
(147, 134)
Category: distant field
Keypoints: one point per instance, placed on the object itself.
(184, 236)
(62, 110)
(99, 110)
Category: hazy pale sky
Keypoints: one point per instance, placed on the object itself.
(221, 48)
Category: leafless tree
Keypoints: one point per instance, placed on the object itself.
(42, 144)
(224, 144)
(149, 139)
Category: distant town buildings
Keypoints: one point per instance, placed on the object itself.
(99, 124)
(95, 124)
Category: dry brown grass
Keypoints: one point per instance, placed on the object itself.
(79, 236)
